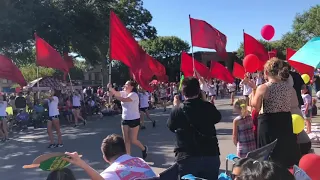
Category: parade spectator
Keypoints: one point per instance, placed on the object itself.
(20, 102)
(114, 152)
(306, 108)
(273, 99)
(194, 126)
(243, 134)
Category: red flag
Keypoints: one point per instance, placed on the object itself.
(272, 53)
(47, 56)
(8, 70)
(220, 72)
(205, 36)
(123, 47)
(238, 71)
(157, 68)
(300, 67)
(141, 79)
(252, 46)
(187, 66)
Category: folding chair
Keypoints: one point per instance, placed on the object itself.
(261, 154)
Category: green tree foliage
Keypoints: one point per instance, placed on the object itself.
(75, 25)
(167, 50)
(30, 72)
(305, 26)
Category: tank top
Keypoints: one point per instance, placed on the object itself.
(278, 98)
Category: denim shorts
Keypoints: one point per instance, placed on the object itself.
(308, 114)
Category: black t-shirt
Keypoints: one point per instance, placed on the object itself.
(203, 117)
(20, 102)
(297, 85)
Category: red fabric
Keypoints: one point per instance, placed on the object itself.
(205, 36)
(252, 46)
(157, 68)
(273, 53)
(141, 79)
(123, 46)
(300, 67)
(9, 71)
(238, 71)
(47, 56)
(220, 72)
(187, 66)
(255, 115)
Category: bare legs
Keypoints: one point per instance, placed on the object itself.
(130, 135)
(56, 124)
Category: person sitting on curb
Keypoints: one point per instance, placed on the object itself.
(122, 166)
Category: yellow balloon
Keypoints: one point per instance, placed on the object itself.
(306, 78)
(297, 123)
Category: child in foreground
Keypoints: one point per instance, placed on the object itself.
(243, 134)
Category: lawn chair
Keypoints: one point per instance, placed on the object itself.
(261, 154)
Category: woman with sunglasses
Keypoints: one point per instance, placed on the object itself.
(130, 115)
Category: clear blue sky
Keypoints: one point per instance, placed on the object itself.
(170, 17)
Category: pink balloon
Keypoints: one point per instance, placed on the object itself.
(267, 32)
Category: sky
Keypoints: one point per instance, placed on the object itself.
(171, 17)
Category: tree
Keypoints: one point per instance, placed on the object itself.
(69, 25)
(30, 72)
(305, 26)
(166, 50)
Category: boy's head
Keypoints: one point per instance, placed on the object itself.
(304, 89)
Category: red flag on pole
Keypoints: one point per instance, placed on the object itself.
(300, 67)
(8, 70)
(220, 72)
(187, 68)
(123, 47)
(47, 56)
(69, 61)
(205, 36)
(157, 68)
(252, 46)
(238, 71)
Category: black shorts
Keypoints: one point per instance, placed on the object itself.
(76, 107)
(144, 109)
(53, 118)
(164, 98)
(246, 96)
(131, 123)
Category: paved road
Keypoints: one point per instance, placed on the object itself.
(25, 146)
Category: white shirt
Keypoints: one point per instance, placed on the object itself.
(130, 110)
(127, 167)
(231, 87)
(246, 90)
(144, 99)
(3, 108)
(53, 106)
(212, 90)
(204, 87)
(76, 100)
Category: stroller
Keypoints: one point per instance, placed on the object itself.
(22, 120)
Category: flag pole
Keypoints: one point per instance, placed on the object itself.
(109, 70)
(191, 43)
(38, 83)
(70, 82)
